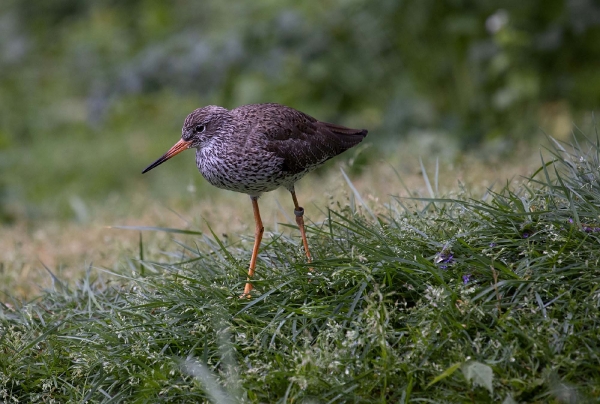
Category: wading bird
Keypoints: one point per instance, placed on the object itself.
(258, 148)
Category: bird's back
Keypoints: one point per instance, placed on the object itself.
(301, 141)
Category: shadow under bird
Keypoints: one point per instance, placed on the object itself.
(258, 148)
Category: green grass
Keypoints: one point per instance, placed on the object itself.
(456, 299)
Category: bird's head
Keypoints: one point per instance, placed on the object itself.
(199, 127)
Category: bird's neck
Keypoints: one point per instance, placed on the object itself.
(216, 145)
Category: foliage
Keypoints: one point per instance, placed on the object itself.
(504, 288)
(468, 62)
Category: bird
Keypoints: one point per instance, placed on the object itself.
(257, 148)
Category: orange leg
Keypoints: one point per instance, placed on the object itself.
(258, 233)
(299, 212)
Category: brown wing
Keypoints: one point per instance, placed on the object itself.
(302, 141)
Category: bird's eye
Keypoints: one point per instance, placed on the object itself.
(200, 128)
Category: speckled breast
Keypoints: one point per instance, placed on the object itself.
(250, 172)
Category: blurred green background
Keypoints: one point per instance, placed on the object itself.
(92, 91)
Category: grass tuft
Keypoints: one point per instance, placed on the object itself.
(503, 288)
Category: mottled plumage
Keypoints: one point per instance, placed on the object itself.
(261, 147)
(258, 148)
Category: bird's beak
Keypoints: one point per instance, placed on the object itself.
(176, 149)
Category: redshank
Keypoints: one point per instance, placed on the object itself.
(258, 148)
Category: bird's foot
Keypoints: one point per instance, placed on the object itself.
(247, 289)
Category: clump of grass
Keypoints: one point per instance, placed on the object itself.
(443, 299)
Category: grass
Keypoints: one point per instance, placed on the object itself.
(453, 299)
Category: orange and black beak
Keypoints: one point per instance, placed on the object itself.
(176, 149)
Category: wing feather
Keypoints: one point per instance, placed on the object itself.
(300, 140)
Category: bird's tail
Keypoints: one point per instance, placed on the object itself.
(347, 137)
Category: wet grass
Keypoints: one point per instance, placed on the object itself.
(435, 299)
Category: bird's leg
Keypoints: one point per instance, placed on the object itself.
(299, 212)
(258, 233)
